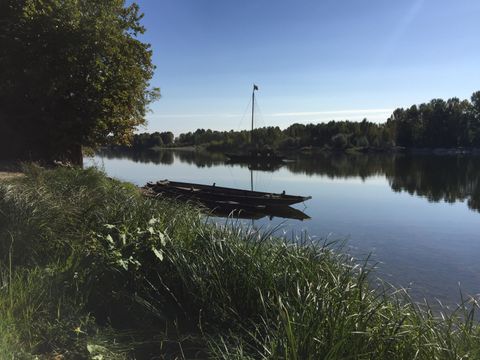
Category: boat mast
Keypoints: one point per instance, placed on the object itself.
(255, 87)
(253, 109)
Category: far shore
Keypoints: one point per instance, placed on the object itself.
(12, 169)
(312, 150)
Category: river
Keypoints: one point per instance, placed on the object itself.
(418, 216)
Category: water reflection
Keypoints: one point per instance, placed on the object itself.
(166, 157)
(436, 178)
(446, 178)
(236, 211)
(341, 165)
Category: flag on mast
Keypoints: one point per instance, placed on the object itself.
(255, 87)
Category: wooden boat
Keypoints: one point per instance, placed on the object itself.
(254, 155)
(213, 193)
(257, 165)
(266, 167)
(223, 208)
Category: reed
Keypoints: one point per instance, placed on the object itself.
(91, 268)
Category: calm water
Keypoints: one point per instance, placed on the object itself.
(419, 216)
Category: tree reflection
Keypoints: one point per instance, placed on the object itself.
(437, 178)
(165, 157)
(340, 165)
(145, 157)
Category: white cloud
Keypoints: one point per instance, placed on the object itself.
(335, 112)
(298, 113)
(187, 116)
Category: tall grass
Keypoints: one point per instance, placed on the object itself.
(90, 268)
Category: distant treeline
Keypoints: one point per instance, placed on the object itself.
(150, 141)
(335, 134)
(453, 123)
(439, 123)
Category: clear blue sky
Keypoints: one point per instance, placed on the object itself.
(313, 60)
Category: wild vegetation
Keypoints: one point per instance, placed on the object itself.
(73, 74)
(91, 269)
(147, 142)
(437, 124)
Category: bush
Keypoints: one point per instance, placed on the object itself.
(362, 142)
(339, 141)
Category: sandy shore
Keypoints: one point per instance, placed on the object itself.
(9, 175)
(9, 170)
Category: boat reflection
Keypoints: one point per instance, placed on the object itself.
(229, 202)
(239, 211)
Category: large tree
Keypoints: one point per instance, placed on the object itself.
(73, 73)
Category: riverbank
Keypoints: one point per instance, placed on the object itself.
(6, 175)
(9, 170)
(91, 268)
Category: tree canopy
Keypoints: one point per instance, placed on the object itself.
(453, 123)
(73, 73)
(438, 123)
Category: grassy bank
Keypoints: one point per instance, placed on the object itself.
(91, 270)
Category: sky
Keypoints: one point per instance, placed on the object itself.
(313, 60)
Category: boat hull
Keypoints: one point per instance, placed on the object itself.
(214, 193)
(222, 208)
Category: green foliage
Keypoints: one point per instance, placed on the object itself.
(151, 141)
(448, 124)
(294, 137)
(118, 276)
(340, 141)
(362, 142)
(72, 74)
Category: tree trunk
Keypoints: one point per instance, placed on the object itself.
(76, 156)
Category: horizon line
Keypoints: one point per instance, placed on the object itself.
(298, 113)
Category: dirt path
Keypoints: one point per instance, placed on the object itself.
(9, 170)
(9, 175)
